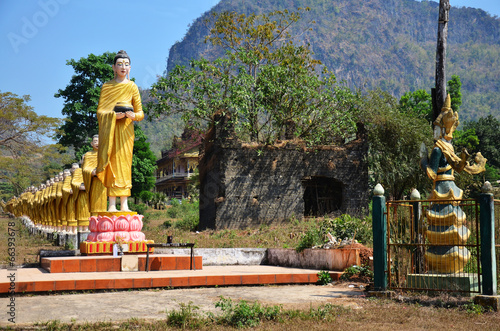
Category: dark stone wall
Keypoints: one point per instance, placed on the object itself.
(246, 186)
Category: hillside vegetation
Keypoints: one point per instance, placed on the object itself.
(387, 44)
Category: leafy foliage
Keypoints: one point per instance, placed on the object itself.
(139, 208)
(324, 277)
(25, 157)
(343, 227)
(395, 138)
(417, 104)
(190, 217)
(143, 164)
(355, 270)
(487, 130)
(243, 314)
(310, 239)
(81, 98)
(269, 87)
(348, 227)
(186, 317)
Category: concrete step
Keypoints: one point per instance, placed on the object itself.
(114, 264)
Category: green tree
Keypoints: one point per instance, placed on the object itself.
(81, 98)
(466, 138)
(394, 142)
(455, 91)
(143, 164)
(25, 157)
(417, 103)
(487, 130)
(270, 87)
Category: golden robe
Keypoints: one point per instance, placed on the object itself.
(38, 207)
(31, 209)
(82, 213)
(96, 191)
(65, 203)
(59, 186)
(24, 203)
(45, 219)
(52, 204)
(116, 137)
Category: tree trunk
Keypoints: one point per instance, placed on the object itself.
(440, 92)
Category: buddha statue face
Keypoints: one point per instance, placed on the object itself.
(95, 142)
(122, 68)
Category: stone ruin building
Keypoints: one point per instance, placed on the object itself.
(244, 185)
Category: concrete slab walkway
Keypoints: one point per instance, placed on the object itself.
(152, 304)
(27, 280)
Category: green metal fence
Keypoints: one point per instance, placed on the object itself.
(434, 246)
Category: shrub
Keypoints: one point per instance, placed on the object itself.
(140, 208)
(185, 317)
(188, 222)
(146, 196)
(347, 226)
(355, 270)
(311, 238)
(324, 277)
(342, 227)
(244, 314)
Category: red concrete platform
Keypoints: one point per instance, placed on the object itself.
(26, 280)
(113, 264)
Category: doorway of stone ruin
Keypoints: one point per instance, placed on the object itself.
(322, 195)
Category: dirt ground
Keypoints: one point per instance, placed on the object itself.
(152, 304)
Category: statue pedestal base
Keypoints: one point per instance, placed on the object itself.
(95, 247)
(467, 284)
(109, 228)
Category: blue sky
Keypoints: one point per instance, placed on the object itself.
(37, 37)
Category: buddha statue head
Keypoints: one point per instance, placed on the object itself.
(95, 142)
(121, 65)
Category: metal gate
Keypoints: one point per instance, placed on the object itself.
(433, 246)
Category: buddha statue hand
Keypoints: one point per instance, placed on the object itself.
(130, 114)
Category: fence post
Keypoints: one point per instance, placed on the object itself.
(487, 232)
(379, 226)
(418, 251)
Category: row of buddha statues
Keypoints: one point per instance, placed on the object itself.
(65, 202)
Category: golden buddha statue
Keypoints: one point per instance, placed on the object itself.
(96, 191)
(119, 106)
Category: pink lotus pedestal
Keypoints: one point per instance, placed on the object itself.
(108, 229)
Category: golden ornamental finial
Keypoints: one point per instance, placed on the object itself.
(447, 102)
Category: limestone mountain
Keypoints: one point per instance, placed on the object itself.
(387, 44)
